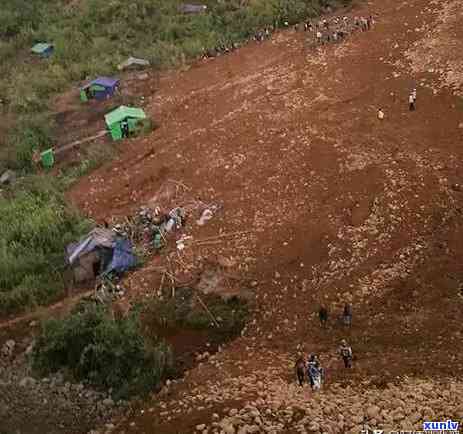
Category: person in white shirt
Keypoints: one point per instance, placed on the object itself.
(380, 114)
(411, 102)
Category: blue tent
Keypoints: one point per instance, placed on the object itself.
(123, 258)
(101, 88)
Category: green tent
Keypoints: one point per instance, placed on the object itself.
(123, 119)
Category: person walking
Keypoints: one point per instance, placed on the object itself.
(345, 351)
(380, 114)
(347, 315)
(368, 22)
(323, 316)
(314, 372)
(411, 102)
(300, 368)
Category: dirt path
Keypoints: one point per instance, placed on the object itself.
(342, 207)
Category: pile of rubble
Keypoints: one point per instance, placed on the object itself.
(279, 407)
(50, 402)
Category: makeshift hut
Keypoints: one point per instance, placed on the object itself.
(124, 121)
(100, 89)
(192, 8)
(100, 252)
(43, 49)
(133, 63)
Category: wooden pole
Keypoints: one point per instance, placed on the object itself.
(79, 142)
(207, 310)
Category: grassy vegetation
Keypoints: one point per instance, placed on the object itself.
(101, 351)
(186, 311)
(36, 226)
(90, 37)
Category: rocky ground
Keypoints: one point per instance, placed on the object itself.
(51, 404)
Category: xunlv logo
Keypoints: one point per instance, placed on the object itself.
(449, 425)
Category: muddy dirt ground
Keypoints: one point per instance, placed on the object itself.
(340, 206)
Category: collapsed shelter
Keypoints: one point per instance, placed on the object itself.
(100, 252)
(124, 121)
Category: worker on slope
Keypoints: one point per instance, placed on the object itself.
(411, 102)
(347, 315)
(345, 351)
(380, 114)
(314, 372)
(300, 368)
(323, 316)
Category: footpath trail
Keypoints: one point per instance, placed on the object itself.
(341, 206)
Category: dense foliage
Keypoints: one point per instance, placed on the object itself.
(185, 310)
(36, 226)
(104, 352)
(92, 36)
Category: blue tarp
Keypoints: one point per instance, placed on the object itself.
(117, 249)
(123, 257)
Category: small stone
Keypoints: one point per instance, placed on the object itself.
(8, 348)
(228, 429)
(8, 177)
(373, 411)
(108, 402)
(27, 382)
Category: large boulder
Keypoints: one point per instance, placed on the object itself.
(8, 177)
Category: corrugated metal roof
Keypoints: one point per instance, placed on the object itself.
(131, 61)
(98, 237)
(122, 113)
(103, 81)
(192, 8)
(41, 47)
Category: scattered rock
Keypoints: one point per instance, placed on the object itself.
(8, 177)
(8, 348)
(27, 382)
(108, 402)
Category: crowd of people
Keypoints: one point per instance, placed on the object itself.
(309, 369)
(323, 31)
(337, 28)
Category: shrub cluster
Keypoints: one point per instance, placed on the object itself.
(36, 226)
(101, 351)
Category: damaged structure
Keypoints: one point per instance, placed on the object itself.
(101, 252)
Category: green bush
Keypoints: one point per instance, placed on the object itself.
(104, 352)
(31, 133)
(92, 38)
(36, 226)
